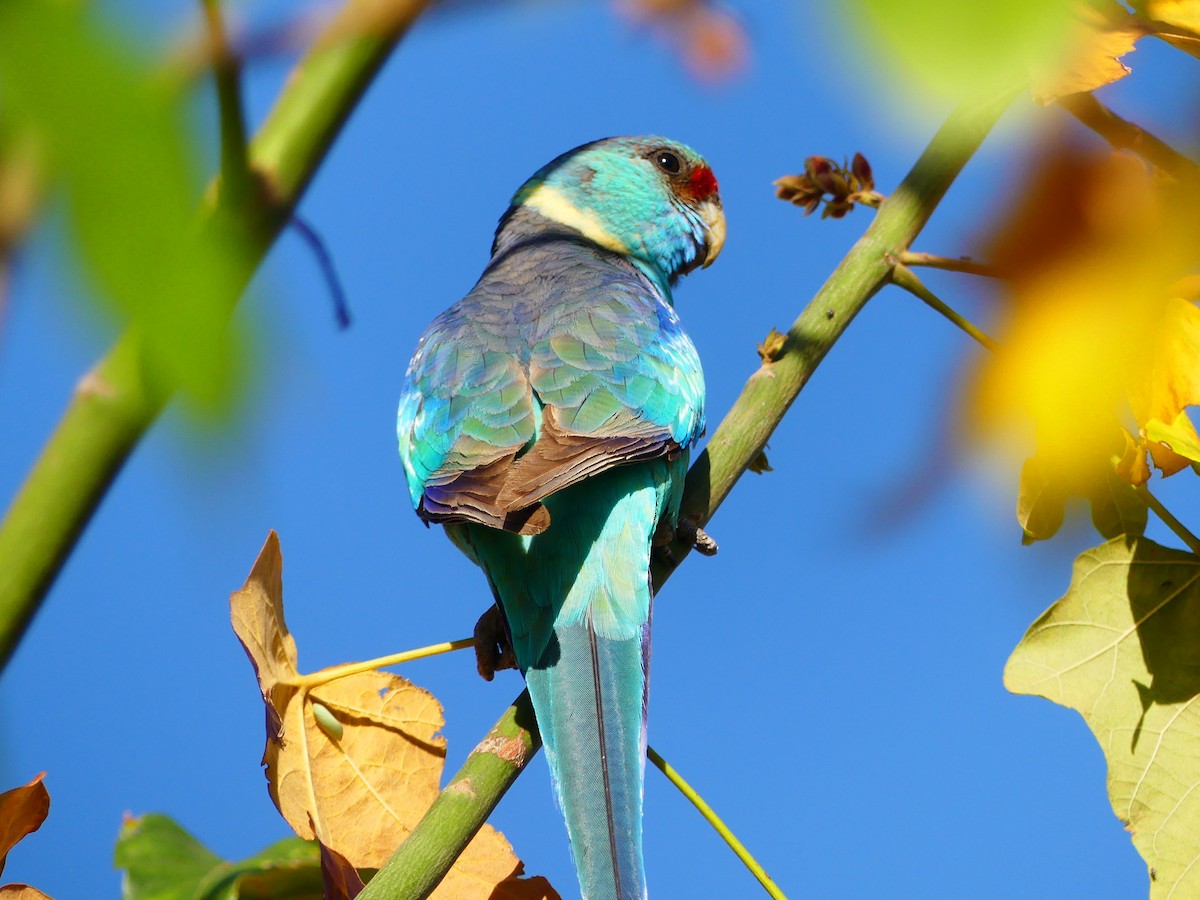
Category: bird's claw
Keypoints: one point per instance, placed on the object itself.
(493, 649)
(686, 531)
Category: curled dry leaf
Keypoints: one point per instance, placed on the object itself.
(22, 812)
(342, 881)
(21, 892)
(360, 778)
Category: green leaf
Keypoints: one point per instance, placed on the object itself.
(1041, 503)
(163, 862)
(117, 145)
(1117, 509)
(160, 859)
(1122, 647)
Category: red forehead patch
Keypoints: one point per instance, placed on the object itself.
(703, 182)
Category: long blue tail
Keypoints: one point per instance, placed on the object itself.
(590, 707)
(577, 601)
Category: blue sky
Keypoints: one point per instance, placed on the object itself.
(831, 683)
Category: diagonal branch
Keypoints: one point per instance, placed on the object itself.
(1125, 135)
(454, 817)
(114, 404)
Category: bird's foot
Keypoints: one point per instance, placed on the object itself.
(493, 650)
(687, 531)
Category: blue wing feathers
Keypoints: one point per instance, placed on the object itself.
(555, 324)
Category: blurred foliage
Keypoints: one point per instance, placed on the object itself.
(1093, 336)
(952, 48)
(118, 152)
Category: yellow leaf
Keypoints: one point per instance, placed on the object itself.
(361, 776)
(1088, 257)
(22, 812)
(1168, 384)
(1098, 38)
(1173, 446)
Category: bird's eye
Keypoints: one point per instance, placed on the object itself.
(668, 162)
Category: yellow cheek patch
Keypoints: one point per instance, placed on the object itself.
(553, 204)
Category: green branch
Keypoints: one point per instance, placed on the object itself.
(116, 402)
(460, 810)
(421, 861)
(904, 277)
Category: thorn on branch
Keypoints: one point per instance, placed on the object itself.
(759, 465)
(846, 185)
(341, 308)
(771, 347)
(963, 264)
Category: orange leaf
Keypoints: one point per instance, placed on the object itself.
(352, 760)
(22, 812)
(21, 892)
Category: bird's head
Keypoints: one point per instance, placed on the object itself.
(647, 198)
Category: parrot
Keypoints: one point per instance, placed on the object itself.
(546, 421)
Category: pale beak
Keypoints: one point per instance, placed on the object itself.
(713, 215)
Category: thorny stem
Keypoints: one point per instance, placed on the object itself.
(324, 676)
(718, 825)
(1181, 531)
(946, 263)
(903, 277)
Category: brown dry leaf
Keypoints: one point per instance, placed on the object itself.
(359, 777)
(22, 812)
(341, 880)
(21, 892)
(1100, 37)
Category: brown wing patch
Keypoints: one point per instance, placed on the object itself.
(560, 459)
(472, 496)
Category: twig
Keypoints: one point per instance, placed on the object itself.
(333, 673)
(1126, 135)
(736, 443)
(341, 309)
(949, 264)
(1181, 531)
(715, 821)
(904, 277)
(115, 403)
